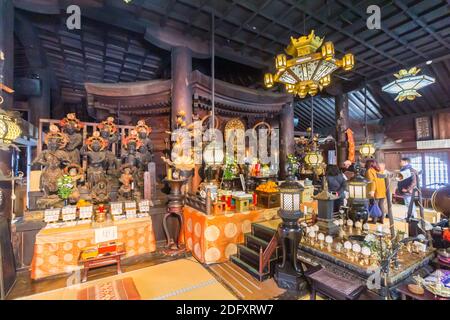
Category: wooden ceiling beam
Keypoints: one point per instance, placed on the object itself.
(418, 21)
(255, 13)
(342, 31)
(392, 35)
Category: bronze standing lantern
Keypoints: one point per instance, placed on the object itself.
(288, 273)
(358, 201)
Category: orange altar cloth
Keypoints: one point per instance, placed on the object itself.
(57, 250)
(214, 238)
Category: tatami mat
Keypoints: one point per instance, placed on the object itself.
(181, 279)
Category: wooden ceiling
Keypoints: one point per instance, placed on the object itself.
(96, 53)
(111, 46)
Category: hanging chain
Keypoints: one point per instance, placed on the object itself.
(365, 111)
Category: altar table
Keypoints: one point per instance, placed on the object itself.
(213, 238)
(57, 250)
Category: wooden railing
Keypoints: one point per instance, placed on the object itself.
(264, 256)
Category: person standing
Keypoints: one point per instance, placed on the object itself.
(336, 183)
(348, 169)
(407, 183)
(377, 188)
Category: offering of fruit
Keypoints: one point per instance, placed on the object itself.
(269, 187)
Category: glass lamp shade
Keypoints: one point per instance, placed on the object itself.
(348, 62)
(328, 50)
(313, 158)
(268, 80)
(9, 129)
(367, 150)
(357, 187)
(325, 81)
(290, 88)
(213, 154)
(290, 197)
(406, 87)
(281, 61)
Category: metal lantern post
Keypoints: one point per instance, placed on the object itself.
(358, 201)
(288, 273)
(367, 149)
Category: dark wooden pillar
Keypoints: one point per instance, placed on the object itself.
(7, 46)
(181, 87)
(39, 106)
(342, 123)
(286, 136)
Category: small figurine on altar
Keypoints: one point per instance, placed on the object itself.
(71, 126)
(95, 150)
(108, 131)
(100, 213)
(181, 155)
(146, 149)
(130, 145)
(100, 192)
(52, 159)
(130, 158)
(76, 172)
(126, 180)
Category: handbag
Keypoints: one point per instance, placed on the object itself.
(374, 210)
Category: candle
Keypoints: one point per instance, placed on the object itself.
(380, 228)
(169, 173)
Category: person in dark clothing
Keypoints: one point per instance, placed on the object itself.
(348, 169)
(407, 182)
(336, 183)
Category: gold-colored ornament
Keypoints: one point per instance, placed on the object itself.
(9, 129)
(308, 71)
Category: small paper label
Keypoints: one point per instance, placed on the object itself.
(69, 210)
(116, 208)
(51, 215)
(105, 234)
(144, 206)
(86, 212)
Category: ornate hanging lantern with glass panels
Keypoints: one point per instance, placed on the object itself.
(307, 71)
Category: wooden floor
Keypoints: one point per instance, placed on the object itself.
(243, 285)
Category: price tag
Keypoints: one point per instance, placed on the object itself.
(116, 208)
(86, 212)
(51, 215)
(144, 206)
(105, 234)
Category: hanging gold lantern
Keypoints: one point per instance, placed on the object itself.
(348, 62)
(281, 61)
(367, 150)
(290, 88)
(325, 81)
(9, 129)
(268, 80)
(309, 65)
(313, 158)
(328, 50)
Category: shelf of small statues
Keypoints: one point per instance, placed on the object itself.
(357, 256)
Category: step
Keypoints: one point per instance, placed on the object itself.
(252, 257)
(262, 232)
(248, 268)
(256, 243)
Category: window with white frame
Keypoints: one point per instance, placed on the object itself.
(433, 167)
